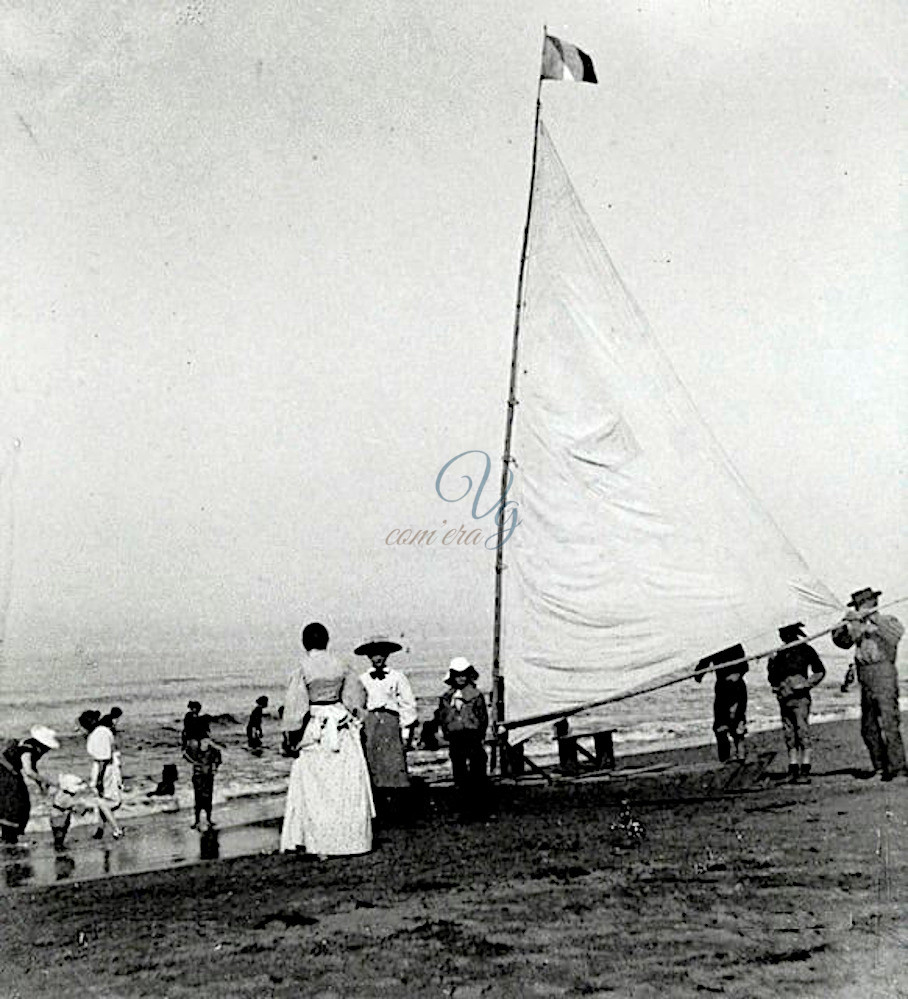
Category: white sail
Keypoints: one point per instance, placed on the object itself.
(639, 549)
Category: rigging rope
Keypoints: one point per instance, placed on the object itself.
(699, 671)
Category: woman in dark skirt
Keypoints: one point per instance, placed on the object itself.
(19, 760)
(389, 721)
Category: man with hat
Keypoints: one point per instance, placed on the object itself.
(875, 638)
(464, 718)
(792, 672)
(388, 724)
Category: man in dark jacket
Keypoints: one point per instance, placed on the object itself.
(792, 673)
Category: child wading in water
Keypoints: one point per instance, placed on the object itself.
(254, 725)
(74, 797)
(205, 759)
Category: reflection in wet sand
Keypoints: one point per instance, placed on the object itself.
(17, 873)
(209, 846)
(64, 867)
(158, 842)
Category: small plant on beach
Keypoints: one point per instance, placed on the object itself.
(628, 826)
(711, 861)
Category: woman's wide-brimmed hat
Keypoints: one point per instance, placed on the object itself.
(789, 632)
(461, 666)
(46, 736)
(377, 646)
(863, 596)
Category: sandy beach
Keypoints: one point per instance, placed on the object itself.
(762, 890)
(556, 345)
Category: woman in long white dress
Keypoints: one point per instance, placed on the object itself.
(329, 808)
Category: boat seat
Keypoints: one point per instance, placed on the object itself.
(571, 749)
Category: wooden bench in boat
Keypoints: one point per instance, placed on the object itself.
(571, 749)
(515, 763)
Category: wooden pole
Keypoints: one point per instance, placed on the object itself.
(497, 679)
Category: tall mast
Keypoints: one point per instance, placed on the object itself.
(497, 680)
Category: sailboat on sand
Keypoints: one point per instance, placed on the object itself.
(640, 549)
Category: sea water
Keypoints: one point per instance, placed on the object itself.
(153, 683)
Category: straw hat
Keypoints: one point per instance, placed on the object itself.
(461, 666)
(867, 595)
(46, 736)
(377, 646)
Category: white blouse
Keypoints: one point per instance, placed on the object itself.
(393, 693)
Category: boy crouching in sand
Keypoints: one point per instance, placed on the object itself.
(205, 758)
(74, 797)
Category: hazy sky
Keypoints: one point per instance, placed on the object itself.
(259, 267)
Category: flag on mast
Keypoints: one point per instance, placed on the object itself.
(563, 61)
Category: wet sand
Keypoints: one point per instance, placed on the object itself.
(148, 745)
(151, 843)
(761, 889)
